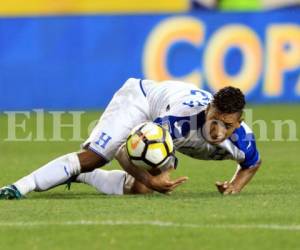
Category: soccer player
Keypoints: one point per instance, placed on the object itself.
(202, 126)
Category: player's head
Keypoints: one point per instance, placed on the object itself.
(224, 114)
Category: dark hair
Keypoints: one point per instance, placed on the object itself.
(229, 100)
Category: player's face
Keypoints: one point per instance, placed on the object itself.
(219, 126)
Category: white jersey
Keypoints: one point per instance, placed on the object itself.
(179, 107)
(173, 98)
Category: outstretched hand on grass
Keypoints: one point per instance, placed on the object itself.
(226, 188)
(164, 184)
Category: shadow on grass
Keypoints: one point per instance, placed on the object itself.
(90, 195)
(66, 196)
(195, 195)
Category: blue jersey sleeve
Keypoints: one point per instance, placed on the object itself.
(245, 141)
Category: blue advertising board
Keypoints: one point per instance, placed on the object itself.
(78, 62)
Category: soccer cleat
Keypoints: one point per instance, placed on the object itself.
(70, 181)
(10, 193)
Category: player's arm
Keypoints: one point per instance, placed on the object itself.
(162, 185)
(240, 179)
(245, 170)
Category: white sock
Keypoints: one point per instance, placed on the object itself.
(50, 175)
(107, 182)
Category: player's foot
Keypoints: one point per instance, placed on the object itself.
(10, 193)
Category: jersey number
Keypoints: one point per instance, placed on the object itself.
(196, 103)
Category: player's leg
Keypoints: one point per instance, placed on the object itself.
(106, 181)
(116, 182)
(128, 108)
(111, 131)
(54, 173)
(139, 188)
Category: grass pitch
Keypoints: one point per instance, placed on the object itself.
(265, 216)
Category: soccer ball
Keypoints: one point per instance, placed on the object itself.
(149, 146)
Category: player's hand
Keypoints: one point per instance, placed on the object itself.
(163, 184)
(226, 188)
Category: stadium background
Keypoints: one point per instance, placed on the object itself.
(76, 54)
(72, 55)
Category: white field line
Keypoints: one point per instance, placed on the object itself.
(151, 223)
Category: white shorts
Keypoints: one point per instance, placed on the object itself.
(128, 108)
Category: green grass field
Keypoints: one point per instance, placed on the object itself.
(266, 215)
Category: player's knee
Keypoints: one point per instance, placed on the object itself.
(89, 161)
(140, 188)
